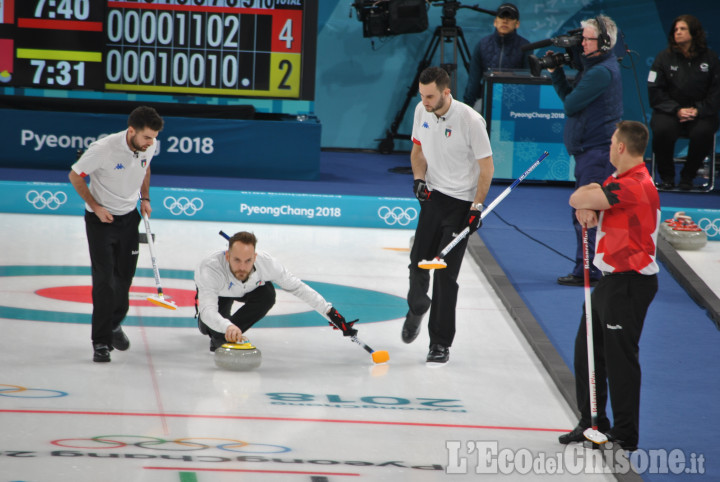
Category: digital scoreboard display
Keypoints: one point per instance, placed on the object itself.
(239, 48)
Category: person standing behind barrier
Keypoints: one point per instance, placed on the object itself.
(500, 49)
(452, 167)
(593, 105)
(626, 250)
(684, 93)
(119, 170)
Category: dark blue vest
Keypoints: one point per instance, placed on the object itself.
(594, 125)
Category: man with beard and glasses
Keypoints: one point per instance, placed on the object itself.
(245, 275)
(118, 166)
(452, 167)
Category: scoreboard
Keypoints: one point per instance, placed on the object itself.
(214, 48)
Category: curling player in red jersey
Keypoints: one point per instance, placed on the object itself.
(626, 245)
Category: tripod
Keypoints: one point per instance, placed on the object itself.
(447, 32)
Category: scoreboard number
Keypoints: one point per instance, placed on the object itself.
(241, 48)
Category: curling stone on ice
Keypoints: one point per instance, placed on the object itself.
(238, 356)
(682, 233)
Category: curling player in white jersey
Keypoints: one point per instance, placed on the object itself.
(452, 168)
(245, 275)
(118, 166)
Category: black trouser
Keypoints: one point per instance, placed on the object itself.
(113, 259)
(256, 305)
(440, 217)
(666, 129)
(619, 305)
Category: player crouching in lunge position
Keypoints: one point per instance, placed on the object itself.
(243, 274)
(453, 167)
(626, 247)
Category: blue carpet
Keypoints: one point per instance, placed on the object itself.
(678, 349)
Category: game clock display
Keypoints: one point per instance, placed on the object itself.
(241, 48)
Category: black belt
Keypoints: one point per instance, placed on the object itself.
(608, 273)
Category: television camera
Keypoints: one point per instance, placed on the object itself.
(383, 18)
(571, 43)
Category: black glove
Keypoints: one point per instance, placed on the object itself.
(337, 321)
(421, 191)
(473, 220)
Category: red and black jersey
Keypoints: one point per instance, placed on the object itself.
(627, 231)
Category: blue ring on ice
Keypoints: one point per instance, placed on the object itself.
(367, 305)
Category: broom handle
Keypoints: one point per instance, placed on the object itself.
(461, 235)
(151, 246)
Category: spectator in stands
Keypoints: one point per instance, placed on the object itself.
(499, 50)
(684, 92)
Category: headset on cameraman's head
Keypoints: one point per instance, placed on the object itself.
(604, 42)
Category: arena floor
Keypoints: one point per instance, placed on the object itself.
(317, 409)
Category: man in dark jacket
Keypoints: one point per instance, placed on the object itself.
(684, 92)
(593, 105)
(499, 50)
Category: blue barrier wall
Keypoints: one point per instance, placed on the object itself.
(188, 146)
(227, 206)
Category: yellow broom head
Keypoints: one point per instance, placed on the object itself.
(436, 263)
(595, 436)
(160, 301)
(380, 356)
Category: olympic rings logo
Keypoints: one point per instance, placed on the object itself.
(46, 199)
(16, 391)
(187, 444)
(712, 228)
(183, 205)
(397, 215)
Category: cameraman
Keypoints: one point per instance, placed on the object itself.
(593, 106)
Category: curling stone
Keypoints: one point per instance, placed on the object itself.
(238, 356)
(682, 233)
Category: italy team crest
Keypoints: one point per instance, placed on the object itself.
(448, 132)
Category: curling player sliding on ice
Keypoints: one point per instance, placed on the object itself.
(243, 274)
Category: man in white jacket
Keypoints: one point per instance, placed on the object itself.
(243, 274)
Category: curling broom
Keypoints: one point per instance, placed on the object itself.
(160, 298)
(591, 433)
(438, 262)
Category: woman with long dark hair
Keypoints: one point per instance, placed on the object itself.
(684, 92)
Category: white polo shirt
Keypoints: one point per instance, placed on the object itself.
(214, 279)
(452, 145)
(116, 172)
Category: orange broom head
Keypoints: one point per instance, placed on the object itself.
(380, 356)
(157, 300)
(595, 436)
(436, 263)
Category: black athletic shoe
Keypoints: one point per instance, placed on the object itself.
(575, 436)
(626, 444)
(411, 328)
(101, 352)
(120, 341)
(572, 280)
(438, 354)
